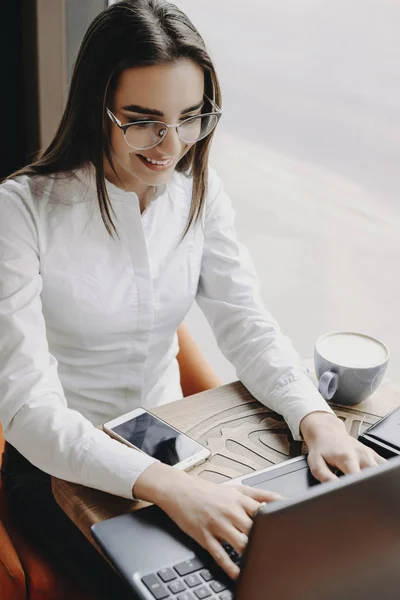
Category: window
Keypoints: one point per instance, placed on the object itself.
(308, 148)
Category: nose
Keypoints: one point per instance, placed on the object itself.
(171, 143)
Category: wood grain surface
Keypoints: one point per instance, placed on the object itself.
(242, 434)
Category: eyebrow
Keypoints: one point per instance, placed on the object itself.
(142, 110)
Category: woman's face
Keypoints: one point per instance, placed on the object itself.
(168, 92)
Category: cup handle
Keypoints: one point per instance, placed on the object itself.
(328, 384)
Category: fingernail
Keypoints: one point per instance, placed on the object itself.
(259, 508)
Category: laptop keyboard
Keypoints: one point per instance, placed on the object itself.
(191, 580)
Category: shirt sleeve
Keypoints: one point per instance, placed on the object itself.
(33, 409)
(248, 335)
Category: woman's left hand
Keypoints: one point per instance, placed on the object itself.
(329, 444)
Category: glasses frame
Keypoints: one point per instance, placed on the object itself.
(216, 113)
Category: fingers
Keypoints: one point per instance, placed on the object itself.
(319, 468)
(352, 461)
(243, 520)
(348, 463)
(379, 459)
(251, 506)
(221, 557)
(369, 458)
(236, 527)
(237, 539)
(260, 495)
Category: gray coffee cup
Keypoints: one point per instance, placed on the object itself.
(349, 365)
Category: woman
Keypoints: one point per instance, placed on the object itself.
(105, 242)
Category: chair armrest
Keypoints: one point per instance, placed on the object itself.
(2, 443)
(12, 576)
(196, 373)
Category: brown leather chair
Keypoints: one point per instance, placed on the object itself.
(24, 571)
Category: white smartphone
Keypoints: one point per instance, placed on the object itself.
(144, 431)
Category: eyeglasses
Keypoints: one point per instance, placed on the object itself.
(145, 134)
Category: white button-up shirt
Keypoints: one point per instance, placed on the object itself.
(88, 323)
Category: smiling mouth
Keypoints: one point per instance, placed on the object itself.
(156, 163)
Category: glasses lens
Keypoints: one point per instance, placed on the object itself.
(144, 135)
(195, 129)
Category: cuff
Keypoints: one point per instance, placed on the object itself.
(299, 399)
(112, 466)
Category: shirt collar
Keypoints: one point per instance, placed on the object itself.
(87, 174)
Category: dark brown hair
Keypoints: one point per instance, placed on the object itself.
(127, 34)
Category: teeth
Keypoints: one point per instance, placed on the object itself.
(158, 162)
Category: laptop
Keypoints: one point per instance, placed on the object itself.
(337, 540)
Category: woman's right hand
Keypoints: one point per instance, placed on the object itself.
(210, 513)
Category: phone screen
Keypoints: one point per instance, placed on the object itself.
(157, 439)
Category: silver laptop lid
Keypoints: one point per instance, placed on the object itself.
(340, 541)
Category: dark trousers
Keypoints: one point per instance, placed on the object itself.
(32, 505)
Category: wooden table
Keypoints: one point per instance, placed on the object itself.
(242, 434)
